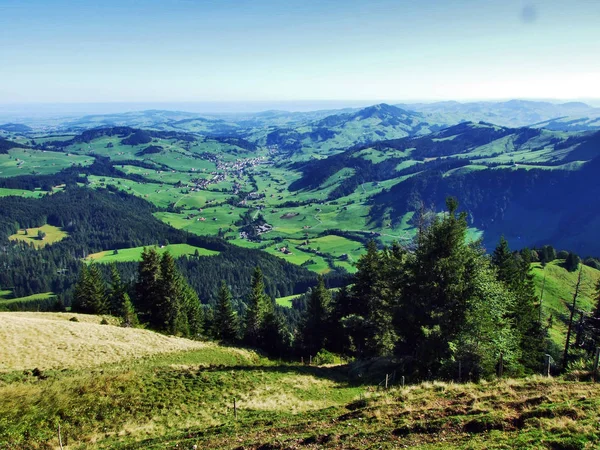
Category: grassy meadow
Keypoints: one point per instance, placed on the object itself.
(135, 254)
(114, 388)
(53, 235)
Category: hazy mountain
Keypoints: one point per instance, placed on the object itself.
(15, 128)
(513, 113)
(340, 131)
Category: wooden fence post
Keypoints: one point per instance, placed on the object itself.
(459, 371)
(234, 409)
(547, 366)
(386, 381)
(402, 381)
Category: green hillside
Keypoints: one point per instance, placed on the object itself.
(134, 254)
(559, 287)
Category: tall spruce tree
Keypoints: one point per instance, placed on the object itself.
(259, 306)
(170, 314)
(116, 291)
(147, 288)
(437, 297)
(225, 320)
(515, 272)
(90, 295)
(316, 318)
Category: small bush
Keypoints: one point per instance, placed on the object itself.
(104, 321)
(325, 357)
(73, 319)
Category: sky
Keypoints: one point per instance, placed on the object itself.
(269, 51)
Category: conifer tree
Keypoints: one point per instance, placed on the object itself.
(147, 288)
(170, 314)
(128, 315)
(437, 297)
(96, 291)
(116, 291)
(316, 318)
(259, 305)
(80, 297)
(192, 310)
(505, 262)
(225, 320)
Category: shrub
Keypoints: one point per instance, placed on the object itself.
(325, 357)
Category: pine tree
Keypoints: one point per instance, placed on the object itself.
(128, 316)
(572, 262)
(365, 299)
(96, 291)
(169, 311)
(259, 305)
(225, 320)
(436, 302)
(90, 292)
(316, 318)
(526, 316)
(80, 296)
(338, 336)
(505, 262)
(116, 291)
(193, 311)
(147, 288)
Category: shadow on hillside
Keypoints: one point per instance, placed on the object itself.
(339, 374)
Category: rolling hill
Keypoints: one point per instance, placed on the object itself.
(512, 113)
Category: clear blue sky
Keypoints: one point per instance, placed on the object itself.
(284, 50)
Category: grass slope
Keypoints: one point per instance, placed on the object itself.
(53, 235)
(558, 294)
(51, 340)
(134, 254)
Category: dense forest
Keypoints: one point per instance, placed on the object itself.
(111, 220)
(441, 309)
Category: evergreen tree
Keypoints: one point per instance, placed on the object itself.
(225, 320)
(147, 288)
(572, 262)
(96, 291)
(169, 310)
(128, 316)
(80, 296)
(338, 336)
(526, 316)
(365, 300)
(259, 305)
(316, 318)
(505, 263)
(90, 292)
(275, 337)
(437, 297)
(116, 292)
(193, 310)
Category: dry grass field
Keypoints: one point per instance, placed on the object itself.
(52, 341)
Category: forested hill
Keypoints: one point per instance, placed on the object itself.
(105, 220)
(534, 186)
